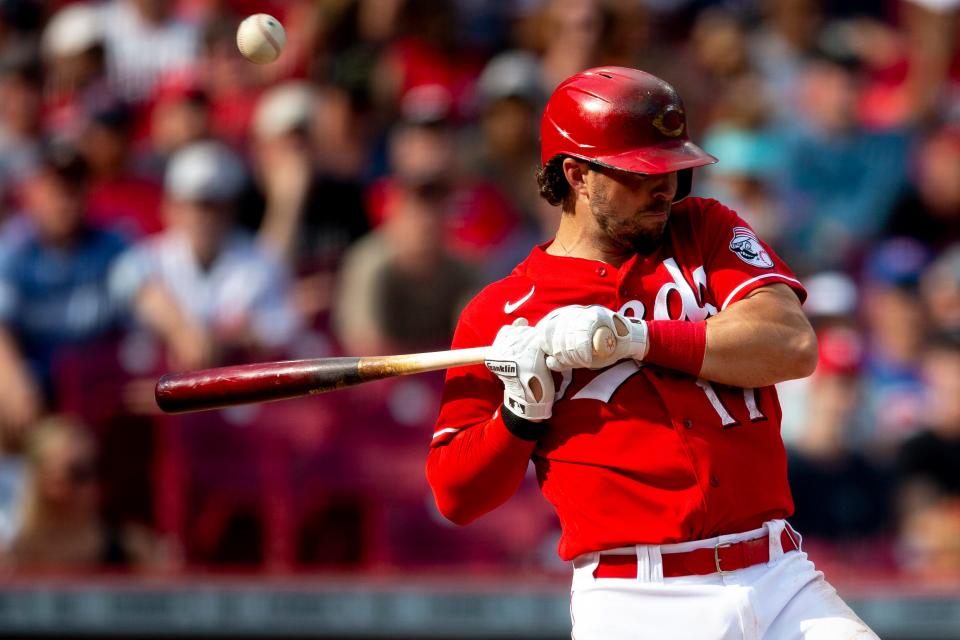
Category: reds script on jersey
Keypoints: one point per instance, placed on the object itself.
(634, 453)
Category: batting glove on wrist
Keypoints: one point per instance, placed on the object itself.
(515, 357)
(566, 336)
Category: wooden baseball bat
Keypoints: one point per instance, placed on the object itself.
(269, 381)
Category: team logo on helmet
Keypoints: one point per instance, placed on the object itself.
(669, 122)
(748, 248)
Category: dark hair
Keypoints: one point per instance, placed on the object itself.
(554, 187)
(943, 341)
(64, 162)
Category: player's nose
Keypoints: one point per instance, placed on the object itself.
(663, 186)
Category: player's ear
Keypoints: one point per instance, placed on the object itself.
(575, 172)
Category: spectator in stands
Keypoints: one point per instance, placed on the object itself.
(180, 116)
(930, 542)
(427, 55)
(940, 288)
(145, 40)
(744, 178)
(230, 84)
(75, 67)
(930, 458)
(118, 198)
(423, 152)
(890, 96)
(930, 209)
(20, 119)
(506, 152)
(311, 215)
(929, 485)
(840, 180)
(832, 303)
(896, 326)
(53, 286)
(344, 133)
(20, 22)
(928, 29)
(840, 495)
(780, 49)
(711, 65)
(572, 36)
(203, 285)
(60, 526)
(400, 288)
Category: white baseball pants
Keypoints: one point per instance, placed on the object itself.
(783, 599)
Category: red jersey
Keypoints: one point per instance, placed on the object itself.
(634, 453)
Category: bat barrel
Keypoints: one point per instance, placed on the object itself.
(244, 384)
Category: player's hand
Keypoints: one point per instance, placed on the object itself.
(566, 336)
(517, 360)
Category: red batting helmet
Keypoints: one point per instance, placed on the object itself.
(621, 118)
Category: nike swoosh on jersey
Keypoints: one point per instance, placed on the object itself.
(510, 307)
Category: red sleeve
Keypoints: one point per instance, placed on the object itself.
(474, 464)
(737, 261)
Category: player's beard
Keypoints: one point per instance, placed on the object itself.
(635, 233)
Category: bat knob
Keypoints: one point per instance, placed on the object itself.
(604, 342)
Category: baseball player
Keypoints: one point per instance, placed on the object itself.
(664, 460)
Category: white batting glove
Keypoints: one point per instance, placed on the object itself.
(515, 357)
(566, 336)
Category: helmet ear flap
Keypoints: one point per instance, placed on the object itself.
(684, 184)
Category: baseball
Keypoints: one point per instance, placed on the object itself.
(260, 38)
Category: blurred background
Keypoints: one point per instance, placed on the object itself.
(167, 205)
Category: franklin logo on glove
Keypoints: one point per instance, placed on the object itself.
(501, 367)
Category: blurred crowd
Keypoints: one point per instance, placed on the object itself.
(167, 205)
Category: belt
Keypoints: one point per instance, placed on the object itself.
(721, 558)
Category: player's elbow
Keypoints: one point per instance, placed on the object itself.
(453, 505)
(453, 500)
(455, 511)
(804, 352)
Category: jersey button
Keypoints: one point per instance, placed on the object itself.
(602, 271)
(688, 424)
(714, 481)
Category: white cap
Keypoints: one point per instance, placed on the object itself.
(72, 30)
(939, 6)
(283, 109)
(830, 293)
(512, 73)
(204, 171)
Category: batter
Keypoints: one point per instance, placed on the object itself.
(664, 461)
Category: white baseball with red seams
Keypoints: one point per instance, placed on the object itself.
(260, 38)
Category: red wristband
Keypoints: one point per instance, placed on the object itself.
(677, 344)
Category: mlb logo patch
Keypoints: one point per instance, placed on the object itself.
(748, 248)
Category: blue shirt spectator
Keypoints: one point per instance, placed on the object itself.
(53, 287)
(51, 296)
(839, 180)
(896, 323)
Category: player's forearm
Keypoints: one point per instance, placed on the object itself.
(477, 471)
(761, 340)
